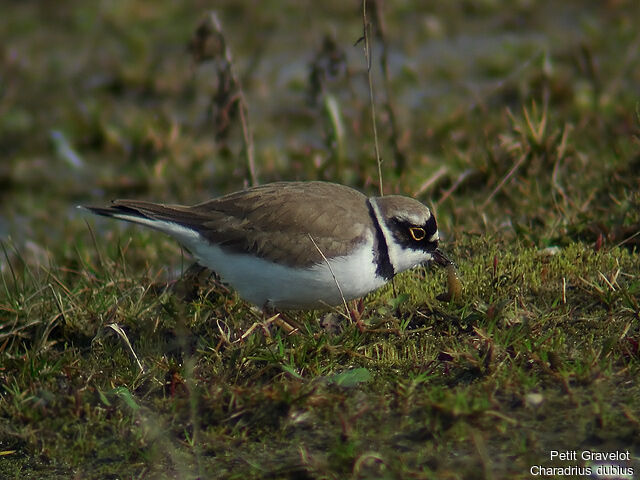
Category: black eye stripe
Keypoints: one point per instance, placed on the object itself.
(402, 233)
(431, 226)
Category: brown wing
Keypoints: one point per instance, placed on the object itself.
(274, 221)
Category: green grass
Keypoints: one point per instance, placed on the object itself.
(441, 381)
(115, 365)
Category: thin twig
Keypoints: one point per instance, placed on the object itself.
(344, 302)
(367, 55)
(461, 178)
(381, 35)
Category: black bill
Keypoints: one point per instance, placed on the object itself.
(440, 259)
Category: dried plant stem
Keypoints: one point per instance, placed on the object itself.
(247, 135)
(122, 334)
(367, 55)
(429, 182)
(243, 109)
(509, 174)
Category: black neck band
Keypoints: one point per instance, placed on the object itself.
(384, 268)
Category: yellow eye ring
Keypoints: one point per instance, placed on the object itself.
(417, 233)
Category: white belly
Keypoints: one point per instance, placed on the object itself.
(265, 283)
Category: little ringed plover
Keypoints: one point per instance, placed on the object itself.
(286, 245)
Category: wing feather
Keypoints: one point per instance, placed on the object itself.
(272, 221)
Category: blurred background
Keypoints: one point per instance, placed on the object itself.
(516, 121)
(494, 112)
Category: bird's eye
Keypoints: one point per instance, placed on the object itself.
(417, 233)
